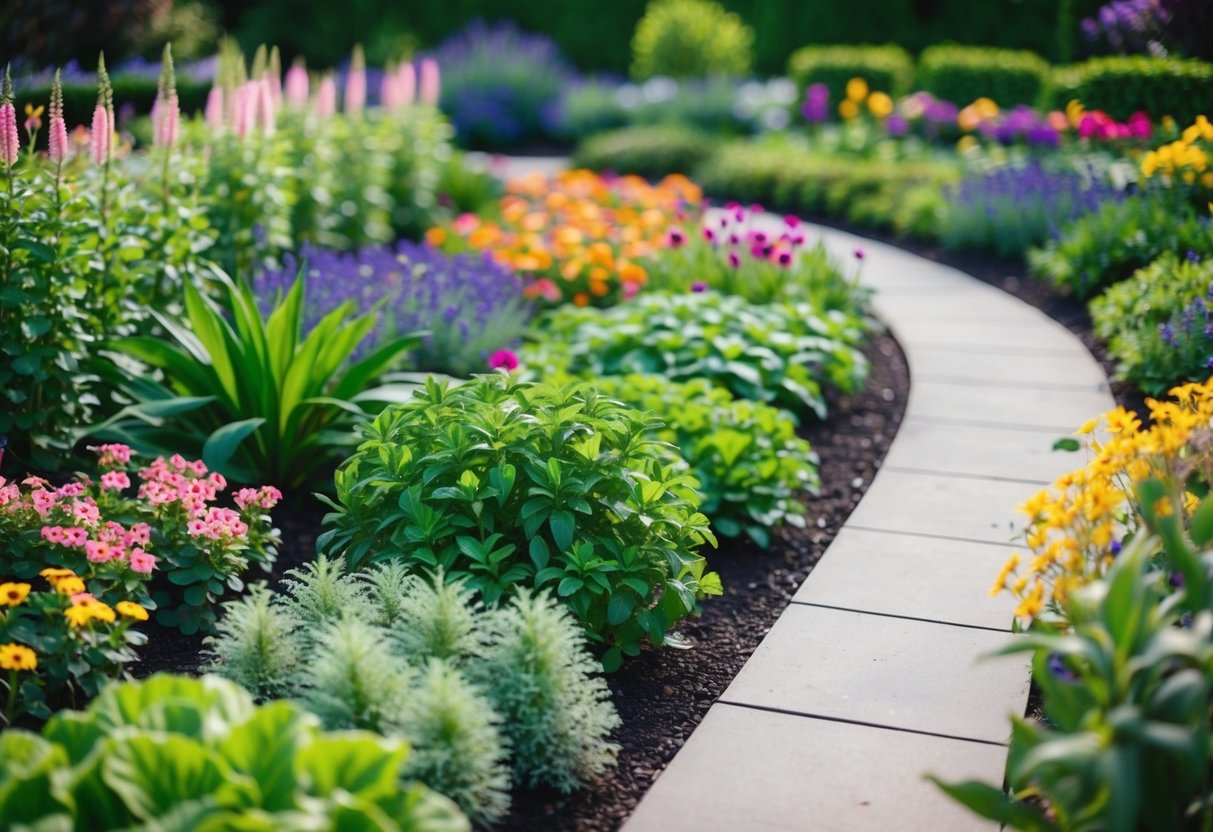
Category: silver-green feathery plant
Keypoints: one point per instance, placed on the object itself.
(385, 586)
(556, 709)
(440, 620)
(457, 747)
(257, 644)
(352, 678)
(321, 592)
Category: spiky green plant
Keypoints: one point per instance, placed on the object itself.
(322, 592)
(352, 678)
(441, 621)
(257, 644)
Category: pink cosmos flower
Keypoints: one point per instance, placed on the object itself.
(503, 359)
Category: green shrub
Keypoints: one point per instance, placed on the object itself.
(652, 151)
(555, 712)
(783, 354)
(1107, 246)
(867, 192)
(253, 396)
(352, 680)
(1157, 323)
(750, 464)
(962, 74)
(1123, 85)
(573, 491)
(177, 752)
(255, 644)
(690, 39)
(886, 68)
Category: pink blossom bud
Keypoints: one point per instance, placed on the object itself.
(296, 86)
(214, 109)
(243, 109)
(406, 83)
(10, 144)
(389, 95)
(265, 107)
(165, 121)
(326, 98)
(101, 135)
(430, 81)
(57, 139)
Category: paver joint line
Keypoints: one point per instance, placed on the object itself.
(1007, 544)
(859, 722)
(902, 617)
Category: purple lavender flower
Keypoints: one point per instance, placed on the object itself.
(469, 305)
(1059, 670)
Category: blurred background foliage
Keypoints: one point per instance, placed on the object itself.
(596, 35)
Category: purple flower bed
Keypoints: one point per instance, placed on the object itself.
(470, 306)
(502, 86)
(1012, 208)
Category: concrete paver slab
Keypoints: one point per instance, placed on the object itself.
(879, 670)
(976, 451)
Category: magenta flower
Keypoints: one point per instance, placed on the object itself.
(699, 286)
(859, 254)
(503, 359)
(675, 238)
(734, 260)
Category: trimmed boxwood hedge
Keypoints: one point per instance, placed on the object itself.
(1122, 85)
(80, 99)
(647, 150)
(962, 74)
(886, 68)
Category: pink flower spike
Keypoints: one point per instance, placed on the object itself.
(355, 90)
(504, 360)
(430, 81)
(326, 98)
(57, 140)
(214, 109)
(10, 143)
(296, 86)
(101, 134)
(406, 83)
(266, 111)
(165, 119)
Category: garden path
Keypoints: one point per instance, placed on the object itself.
(871, 677)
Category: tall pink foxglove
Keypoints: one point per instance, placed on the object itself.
(56, 137)
(214, 109)
(100, 136)
(326, 98)
(168, 123)
(296, 85)
(266, 110)
(406, 82)
(10, 141)
(389, 95)
(243, 110)
(430, 81)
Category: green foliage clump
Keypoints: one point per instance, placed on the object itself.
(962, 74)
(433, 676)
(1157, 322)
(779, 353)
(877, 193)
(690, 39)
(250, 394)
(750, 465)
(886, 68)
(178, 752)
(1110, 244)
(1121, 85)
(554, 710)
(508, 485)
(652, 150)
(256, 645)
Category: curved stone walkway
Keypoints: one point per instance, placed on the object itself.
(871, 677)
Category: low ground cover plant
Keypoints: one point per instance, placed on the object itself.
(174, 750)
(485, 698)
(786, 354)
(1157, 323)
(466, 306)
(508, 485)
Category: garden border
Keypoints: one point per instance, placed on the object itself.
(870, 677)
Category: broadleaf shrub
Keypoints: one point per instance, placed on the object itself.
(785, 354)
(651, 151)
(198, 752)
(963, 74)
(507, 485)
(690, 39)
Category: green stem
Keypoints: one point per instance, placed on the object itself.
(11, 708)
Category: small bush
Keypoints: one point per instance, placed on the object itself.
(963, 74)
(1157, 323)
(783, 353)
(650, 151)
(555, 713)
(690, 39)
(255, 644)
(888, 69)
(1123, 85)
(1102, 248)
(508, 485)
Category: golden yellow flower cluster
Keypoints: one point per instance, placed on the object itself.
(879, 104)
(1074, 526)
(1186, 158)
(971, 117)
(17, 657)
(85, 609)
(12, 594)
(577, 236)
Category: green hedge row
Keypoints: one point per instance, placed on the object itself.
(962, 74)
(887, 68)
(1122, 85)
(79, 100)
